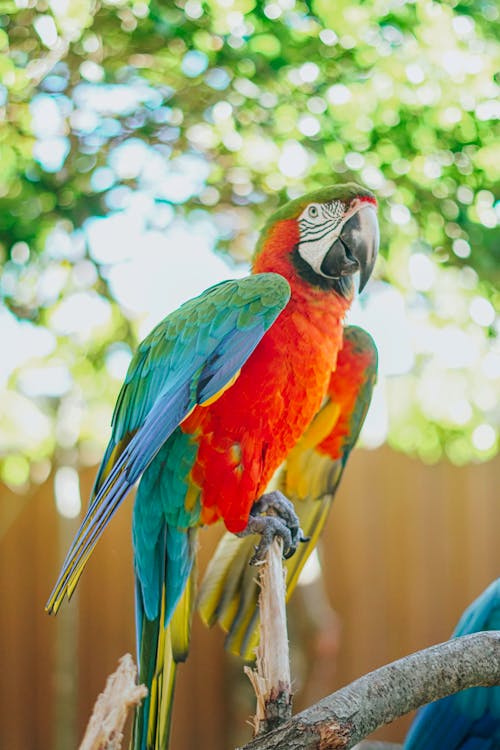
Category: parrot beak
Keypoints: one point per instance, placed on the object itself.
(356, 248)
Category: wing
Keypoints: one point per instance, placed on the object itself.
(186, 360)
(310, 477)
(469, 720)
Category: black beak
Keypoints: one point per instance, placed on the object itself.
(355, 249)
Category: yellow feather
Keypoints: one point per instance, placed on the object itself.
(162, 687)
(67, 580)
(229, 592)
(215, 595)
(192, 495)
(180, 623)
(166, 690)
(312, 528)
(321, 426)
(115, 453)
(224, 388)
(77, 572)
(243, 634)
(299, 471)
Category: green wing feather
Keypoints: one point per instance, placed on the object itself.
(310, 477)
(186, 360)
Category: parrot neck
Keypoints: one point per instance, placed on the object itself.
(275, 255)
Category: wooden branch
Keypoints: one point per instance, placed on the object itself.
(350, 714)
(271, 679)
(105, 728)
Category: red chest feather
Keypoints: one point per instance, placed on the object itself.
(246, 434)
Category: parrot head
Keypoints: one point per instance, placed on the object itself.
(327, 236)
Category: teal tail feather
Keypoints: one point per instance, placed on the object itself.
(163, 642)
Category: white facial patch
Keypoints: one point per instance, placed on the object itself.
(319, 225)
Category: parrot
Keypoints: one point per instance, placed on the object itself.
(470, 719)
(310, 477)
(216, 398)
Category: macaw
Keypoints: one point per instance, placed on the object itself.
(470, 719)
(215, 399)
(309, 477)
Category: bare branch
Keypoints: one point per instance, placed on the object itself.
(105, 728)
(350, 714)
(271, 679)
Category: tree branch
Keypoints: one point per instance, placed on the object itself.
(271, 679)
(350, 714)
(105, 728)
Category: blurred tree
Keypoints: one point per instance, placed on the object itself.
(211, 113)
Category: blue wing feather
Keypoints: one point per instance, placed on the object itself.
(226, 360)
(187, 358)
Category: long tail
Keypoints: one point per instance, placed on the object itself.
(229, 593)
(163, 642)
(103, 505)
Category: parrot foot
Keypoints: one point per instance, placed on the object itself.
(281, 521)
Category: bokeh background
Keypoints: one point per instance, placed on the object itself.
(142, 144)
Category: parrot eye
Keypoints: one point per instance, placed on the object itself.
(313, 211)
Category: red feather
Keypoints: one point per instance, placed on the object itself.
(246, 434)
(344, 390)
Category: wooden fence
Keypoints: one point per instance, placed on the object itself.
(407, 548)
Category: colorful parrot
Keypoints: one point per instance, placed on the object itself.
(470, 719)
(215, 399)
(309, 477)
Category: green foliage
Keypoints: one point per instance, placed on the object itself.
(269, 99)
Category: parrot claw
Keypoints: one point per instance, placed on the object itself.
(280, 521)
(269, 527)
